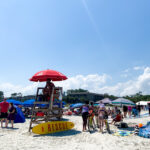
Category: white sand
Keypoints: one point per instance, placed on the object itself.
(20, 139)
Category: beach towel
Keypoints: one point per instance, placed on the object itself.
(123, 133)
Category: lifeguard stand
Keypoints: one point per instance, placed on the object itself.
(45, 110)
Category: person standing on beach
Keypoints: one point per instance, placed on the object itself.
(129, 111)
(11, 114)
(101, 113)
(85, 110)
(4, 106)
(149, 108)
(139, 110)
(125, 110)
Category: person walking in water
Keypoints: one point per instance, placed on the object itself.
(85, 110)
(4, 106)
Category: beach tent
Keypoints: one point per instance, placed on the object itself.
(15, 102)
(142, 103)
(122, 101)
(77, 105)
(28, 103)
(105, 101)
(19, 118)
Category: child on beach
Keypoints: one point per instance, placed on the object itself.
(118, 118)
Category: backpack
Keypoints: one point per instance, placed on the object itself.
(123, 125)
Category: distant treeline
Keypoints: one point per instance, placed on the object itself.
(135, 98)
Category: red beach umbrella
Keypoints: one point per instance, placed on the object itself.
(48, 74)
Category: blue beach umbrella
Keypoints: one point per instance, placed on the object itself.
(76, 105)
(29, 103)
(15, 102)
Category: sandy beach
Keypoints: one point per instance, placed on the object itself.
(20, 139)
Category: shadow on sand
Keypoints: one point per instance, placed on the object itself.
(61, 134)
(10, 128)
(127, 129)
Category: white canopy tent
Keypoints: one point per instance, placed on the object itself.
(142, 103)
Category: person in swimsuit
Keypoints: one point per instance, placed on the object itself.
(47, 91)
(85, 110)
(92, 113)
(101, 113)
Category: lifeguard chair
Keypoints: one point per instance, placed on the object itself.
(44, 109)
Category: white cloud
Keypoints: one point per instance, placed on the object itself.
(124, 75)
(93, 83)
(141, 83)
(9, 88)
(127, 70)
(138, 68)
(90, 82)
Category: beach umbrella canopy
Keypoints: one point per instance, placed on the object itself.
(42, 76)
(105, 101)
(15, 102)
(76, 105)
(122, 101)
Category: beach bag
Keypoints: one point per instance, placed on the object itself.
(123, 125)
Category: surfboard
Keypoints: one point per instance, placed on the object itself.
(52, 127)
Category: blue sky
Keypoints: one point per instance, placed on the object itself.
(75, 37)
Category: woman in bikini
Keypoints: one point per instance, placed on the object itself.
(101, 113)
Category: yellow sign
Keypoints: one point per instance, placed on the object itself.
(52, 127)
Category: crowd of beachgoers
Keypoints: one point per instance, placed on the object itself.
(99, 115)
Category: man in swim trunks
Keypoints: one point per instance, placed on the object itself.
(4, 106)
